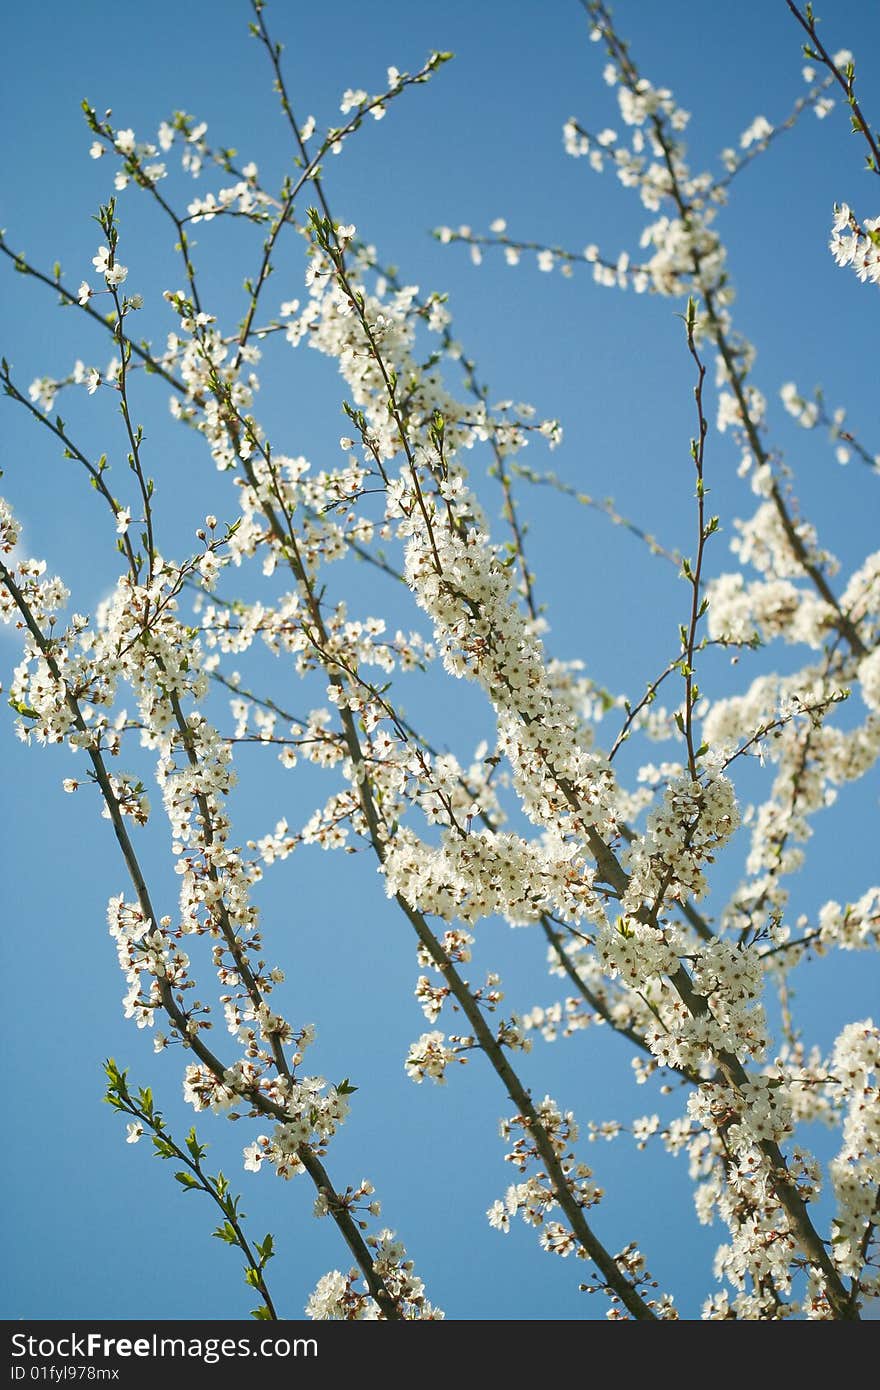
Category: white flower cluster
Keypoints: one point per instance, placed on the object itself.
(430, 1056)
(240, 197)
(143, 950)
(482, 874)
(342, 1298)
(869, 680)
(66, 696)
(319, 1111)
(534, 1199)
(855, 1171)
(138, 157)
(482, 634)
(856, 244)
(764, 543)
(105, 264)
(805, 412)
(767, 608)
(853, 927)
(756, 133)
(682, 834)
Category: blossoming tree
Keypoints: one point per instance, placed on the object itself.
(380, 572)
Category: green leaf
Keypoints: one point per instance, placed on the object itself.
(187, 1180)
(226, 1232)
(197, 1151)
(114, 1075)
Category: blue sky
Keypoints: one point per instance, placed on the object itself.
(96, 1228)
